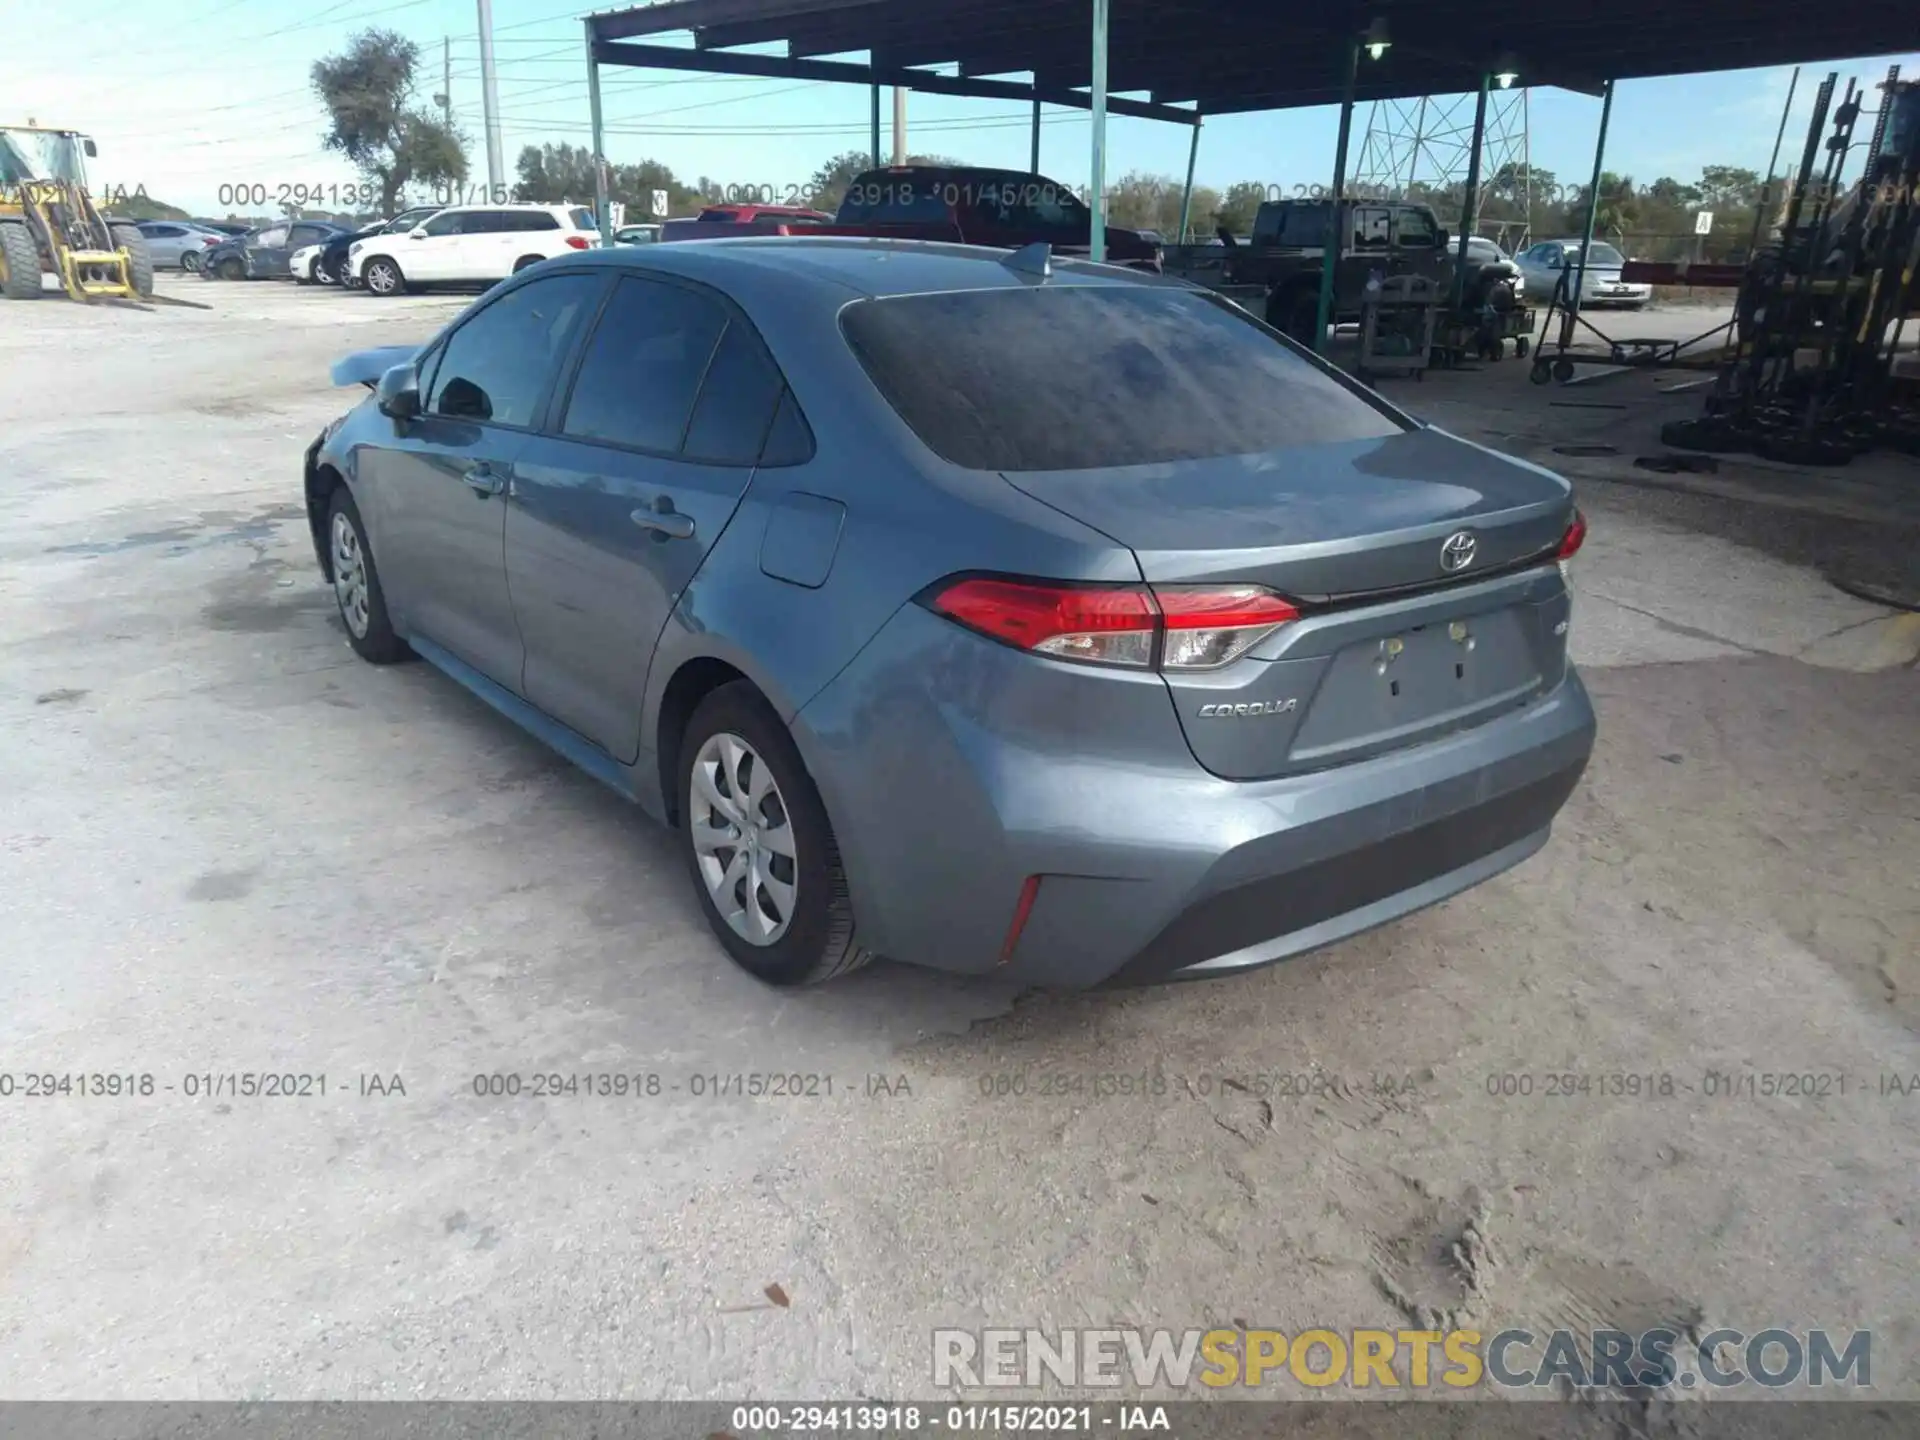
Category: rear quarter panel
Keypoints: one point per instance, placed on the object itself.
(908, 521)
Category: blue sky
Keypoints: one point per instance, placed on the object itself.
(187, 97)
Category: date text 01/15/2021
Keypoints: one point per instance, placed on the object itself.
(972, 1419)
(195, 1085)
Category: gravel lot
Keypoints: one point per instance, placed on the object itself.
(227, 845)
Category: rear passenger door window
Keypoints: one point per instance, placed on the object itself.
(644, 365)
(500, 365)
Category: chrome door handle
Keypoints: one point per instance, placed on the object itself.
(482, 480)
(664, 520)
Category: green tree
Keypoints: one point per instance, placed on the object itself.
(1138, 201)
(563, 174)
(137, 206)
(368, 92)
(1235, 211)
(1728, 187)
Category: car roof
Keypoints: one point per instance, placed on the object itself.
(874, 268)
(509, 205)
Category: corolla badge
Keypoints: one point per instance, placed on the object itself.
(1247, 708)
(1456, 551)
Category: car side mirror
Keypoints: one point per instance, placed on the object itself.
(1440, 240)
(398, 394)
(419, 232)
(92, 149)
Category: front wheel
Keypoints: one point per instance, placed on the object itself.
(139, 258)
(19, 262)
(382, 277)
(233, 269)
(759, 846)
(356, 585)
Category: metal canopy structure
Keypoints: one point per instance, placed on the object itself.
(1222, 57)
(1183, 60)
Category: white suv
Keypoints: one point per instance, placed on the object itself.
(470, 245)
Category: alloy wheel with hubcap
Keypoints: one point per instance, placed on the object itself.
(350, 576)
(356, 585)
(759, 843)
(744, 839)
(382, 277)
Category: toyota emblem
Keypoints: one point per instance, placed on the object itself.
(1456, 552)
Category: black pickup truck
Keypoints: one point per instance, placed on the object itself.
(1284, 256)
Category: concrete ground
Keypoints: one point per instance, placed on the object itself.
(227, 845)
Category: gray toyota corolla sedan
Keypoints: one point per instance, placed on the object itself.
(967, 607)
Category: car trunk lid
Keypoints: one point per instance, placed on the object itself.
(1319, 523)
(1399, 640)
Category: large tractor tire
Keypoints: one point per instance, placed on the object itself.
(19, 262)
(140, 272)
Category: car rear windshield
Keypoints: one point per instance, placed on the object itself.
(583, 219)
(1599, 255)
(1093, 377)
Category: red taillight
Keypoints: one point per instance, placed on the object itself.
(1108, 625)
(209, 239)
(1209, 627)
(579, 242)
(1179, 628)
(1575, 537)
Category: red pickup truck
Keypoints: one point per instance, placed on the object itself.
(971, 205)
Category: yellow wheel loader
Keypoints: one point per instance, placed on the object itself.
(50, 225)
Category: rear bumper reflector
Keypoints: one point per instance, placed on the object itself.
(1029, 892)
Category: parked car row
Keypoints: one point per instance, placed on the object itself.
(430, 245)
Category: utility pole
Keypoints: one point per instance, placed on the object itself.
(899, 124)
(445, 97)
(490, 101)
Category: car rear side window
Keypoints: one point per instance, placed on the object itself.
(1093, 377)
(643, 366)
(736, 402)
(497, 366)
(789, 441)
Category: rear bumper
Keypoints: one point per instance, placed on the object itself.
(1383, 874)
(954, 770)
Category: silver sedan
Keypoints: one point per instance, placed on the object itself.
(1552, 263)
(178, 244)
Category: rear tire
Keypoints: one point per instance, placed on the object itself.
(19, 263)
(190, 262)
(741, 779)
(140, 256)
(525, 260)
(1295, 313)
(356, 585)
